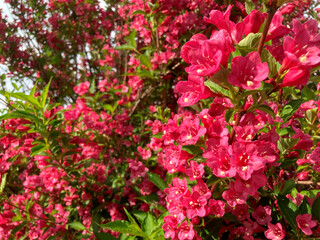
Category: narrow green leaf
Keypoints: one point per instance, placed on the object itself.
(131, 219)
(157, 180)
(18, 228)
(21, 114)
(29, 99)
(3, 182)
(77, 226)
(132, 38)
(44, 94)
(37, 149)
(125, 47)
(217, 88)
(92, 87)
(139, 12)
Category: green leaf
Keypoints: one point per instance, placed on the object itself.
(18, 228)
(251, 41)
(267, 57)
(37, 149)
(21, 114)
(286, 131)
(316, 209)
(304, 207)
(267, 109)
(124, 227)
(92, 87)
(213, 228)
(104, 236)
(77, 226)
(289, 210)
(249, 5)
(307, 94)
(217, 88)
(125, 47)
(132, 38)
(157, 180)
(131, 219)
(140, 215)
(285, 144)
(213, 180)
(192, 149)
(3, 182)
(44, 94)
(228, 115)
(148, 224)
(29, 99)
(289, 109)
(149, 199)
(288, 186)
(139, 12)
(145, 60)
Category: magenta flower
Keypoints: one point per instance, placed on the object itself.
(195, 170)
(217, 207)
(192, 90)
(186, 231)
(206, 55)
(82, 88)
(248, 72)
(275, 232)
(305, 223)
(262, 215)
(195, 205)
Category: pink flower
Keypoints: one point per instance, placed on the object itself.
(195, 170)
(82, 88)
(217, 207)
(170, 226)
(191, 131)
(195, 205)
(233, 197)
(192, 90)
(262, 215)
(305, 223)
(248, 72)
(275, 232)
(186, 231)
(206, 55)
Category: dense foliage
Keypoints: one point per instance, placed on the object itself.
(193, 119)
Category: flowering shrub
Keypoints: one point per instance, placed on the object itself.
(101, 149)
